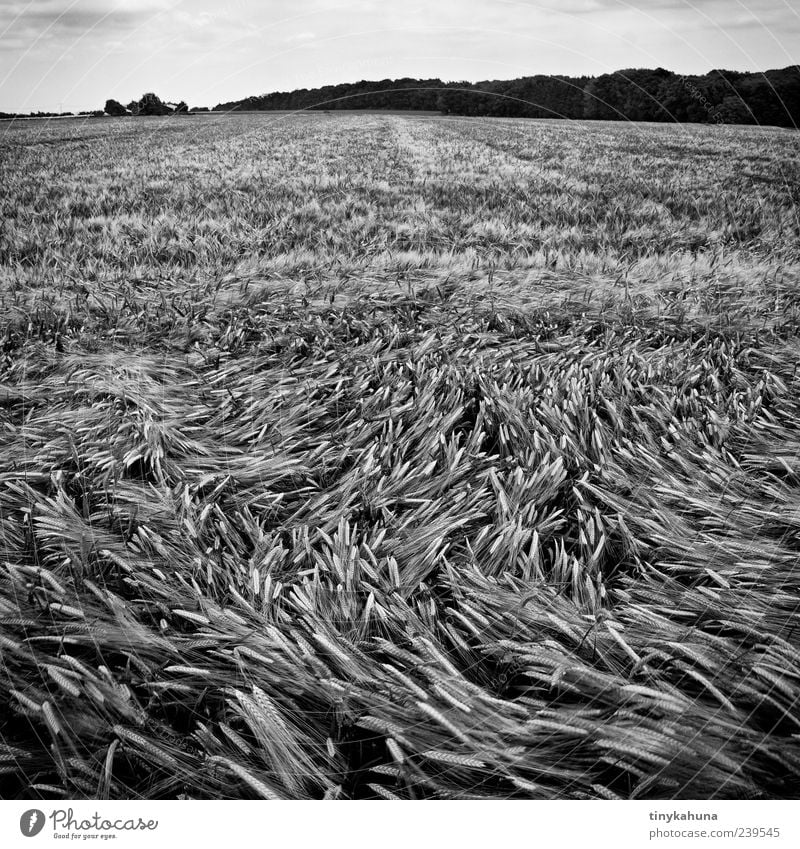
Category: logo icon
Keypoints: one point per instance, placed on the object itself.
(31, 822)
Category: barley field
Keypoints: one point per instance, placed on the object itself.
(376, 456)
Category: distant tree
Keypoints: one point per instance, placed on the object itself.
(444, 103)
(772, 97)
(115, 108)
(182, 107)
(150, 104)
(456, 99)
(733, 110)
(601, 98)
(786, 90)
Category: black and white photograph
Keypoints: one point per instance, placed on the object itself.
(400, 402)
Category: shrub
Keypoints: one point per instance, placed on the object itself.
(115, 108)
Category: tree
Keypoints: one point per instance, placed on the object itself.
(733, 110)
(181, 107)
(115, 109)
(601, 98)
(150, 104)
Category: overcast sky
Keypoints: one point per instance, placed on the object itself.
(68, 55)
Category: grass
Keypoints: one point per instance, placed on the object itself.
(398, 457)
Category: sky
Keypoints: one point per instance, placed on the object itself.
(70, 55)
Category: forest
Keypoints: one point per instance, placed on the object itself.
(639, 94)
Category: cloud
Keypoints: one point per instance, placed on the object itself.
(57, 16)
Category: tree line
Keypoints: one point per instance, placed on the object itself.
(148, 104)
(638, 94)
